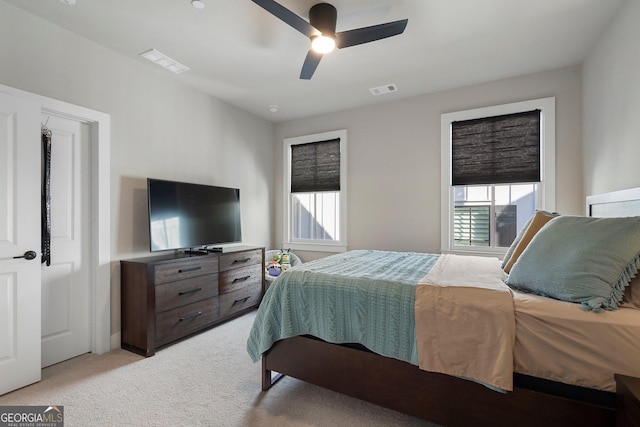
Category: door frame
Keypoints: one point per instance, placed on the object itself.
(100, 207)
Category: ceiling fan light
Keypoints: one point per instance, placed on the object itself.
(323, 44)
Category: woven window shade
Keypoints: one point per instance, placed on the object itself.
(496, 150)
(315, 166)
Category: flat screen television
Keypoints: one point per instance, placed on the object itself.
(191, 216)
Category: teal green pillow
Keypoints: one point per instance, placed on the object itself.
(580, 259)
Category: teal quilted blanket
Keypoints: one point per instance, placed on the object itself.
(362, 296)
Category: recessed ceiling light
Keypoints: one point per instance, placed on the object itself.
(163, 60)
(273, 108)
(198, 4)
(69, 2)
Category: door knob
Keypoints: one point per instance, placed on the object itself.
(28, 255)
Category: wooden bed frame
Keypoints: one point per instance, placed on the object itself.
(439, 398)
(435, 397)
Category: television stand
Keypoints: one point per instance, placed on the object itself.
(169, 297)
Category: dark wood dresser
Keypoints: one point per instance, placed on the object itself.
(166, 298)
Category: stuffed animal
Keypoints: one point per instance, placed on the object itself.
(272, 266)
(285, 259)
(274, 269)
(278, 263)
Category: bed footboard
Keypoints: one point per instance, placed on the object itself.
(431, 396)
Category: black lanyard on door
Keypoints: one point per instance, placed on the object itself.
(46, 196)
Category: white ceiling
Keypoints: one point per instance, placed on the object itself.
(240, 53)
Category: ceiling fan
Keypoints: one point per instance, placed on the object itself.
(321, 29)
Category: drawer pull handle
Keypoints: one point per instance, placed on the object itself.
(240, 301)
(192, 291)
(241, 260)
(241, 279)
(191, 316)
(186, 270)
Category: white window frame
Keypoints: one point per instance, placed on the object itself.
(316, 245)
(546, 194)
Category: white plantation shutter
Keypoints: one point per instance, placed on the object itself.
(471, 225)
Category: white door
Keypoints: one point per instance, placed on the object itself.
(66, 281)
(19, 233)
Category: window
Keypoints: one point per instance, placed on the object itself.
(498, 167)
(315, 192)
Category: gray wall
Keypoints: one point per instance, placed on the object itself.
(159, 128)
(611, 92)
(394, 157)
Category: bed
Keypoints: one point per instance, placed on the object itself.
(563, 358)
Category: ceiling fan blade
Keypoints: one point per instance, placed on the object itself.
(287, 16)
(370, 34)
(310, 64)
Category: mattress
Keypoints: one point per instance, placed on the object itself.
(556, 340)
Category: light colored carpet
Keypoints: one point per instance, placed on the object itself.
(206, 380)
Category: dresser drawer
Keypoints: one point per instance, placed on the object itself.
(237, 278)
(183, 292)
(198, 266)
(181, 321)
(240, 259)
(240, 299)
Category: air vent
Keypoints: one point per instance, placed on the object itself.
(163, 60)
(381, 90)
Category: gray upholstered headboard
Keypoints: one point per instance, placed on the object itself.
(615, 204)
